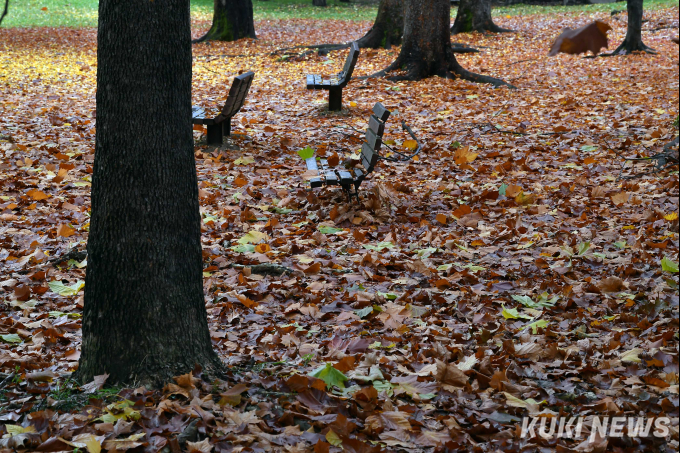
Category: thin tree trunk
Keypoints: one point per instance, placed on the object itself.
(232, 20)
(4, 12)
(388, 28)
(475, 15)
(426, 50)
(144, 317)
(633, 41)
(319, 2)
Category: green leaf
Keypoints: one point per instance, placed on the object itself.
(582, 248)
(388, 296)
(668, 265)
(59, 314)
(620, 245)
(512, 313)
(306, 153)
(444, 267)
(244, 160)
(325, 229)
(502, 189)
(383, 386)
(64, 290)
(253, 237)
(330, 375)
(424, 253)
(11, 338)
(536, 324)
(364, 312)
(543, 301)
(589, 148)
(243, 248)
(380, 247)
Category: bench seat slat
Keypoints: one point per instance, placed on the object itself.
(310, 82)
(373, 140)
(345, 177)
(311, 164)
(376, 125)
(368, 157)
(381, 112)
(316, 182)
(331, 178)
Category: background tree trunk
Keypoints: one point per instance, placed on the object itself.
(232, 20)
(144, 316)
(633, 41)
(319, 2)
(388, 27)
(475, 15)
(426, 50)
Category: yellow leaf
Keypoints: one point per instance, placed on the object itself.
(410, 145)
(670, 217)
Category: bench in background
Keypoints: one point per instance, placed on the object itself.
(335, 84)
(220, 125)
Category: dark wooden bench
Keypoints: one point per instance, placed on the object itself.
(335, 84)
(220, 125)
(349, 179)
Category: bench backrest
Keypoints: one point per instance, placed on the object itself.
(350, 63)
(370, 150)
(237, 94)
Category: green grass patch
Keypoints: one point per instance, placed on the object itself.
(523, 10)
(68, 397)
(83, 13)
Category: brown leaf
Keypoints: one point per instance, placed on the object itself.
(611, 285)
(449, 373)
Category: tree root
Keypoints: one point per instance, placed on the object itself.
(464, 74)
(624, 50)
(325, 48)
(455, 70)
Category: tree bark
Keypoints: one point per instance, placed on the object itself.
(4, 12)
(633, 41)
(388, 28)
(475, 15)
(144, 317)
(319, 2)
(232, 20)
(426, 50)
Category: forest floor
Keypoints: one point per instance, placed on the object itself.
(506, 272)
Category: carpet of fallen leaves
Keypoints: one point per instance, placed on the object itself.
(505, 272)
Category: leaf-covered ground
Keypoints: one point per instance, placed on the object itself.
(506, 272)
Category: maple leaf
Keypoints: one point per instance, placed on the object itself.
(330, 375)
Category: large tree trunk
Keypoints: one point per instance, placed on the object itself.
(388, 27)
(426, 50)
(633, 41)
(475, 15)
(232, 20)
(319, 2)
(144, 316)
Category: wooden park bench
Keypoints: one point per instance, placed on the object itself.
(220, 125)
(335, 84)
(370, 154)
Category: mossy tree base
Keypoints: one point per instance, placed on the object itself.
(475, 15)
(232, 20)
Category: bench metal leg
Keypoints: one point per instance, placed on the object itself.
(226, 127)
(335, 100)
(215, 134)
